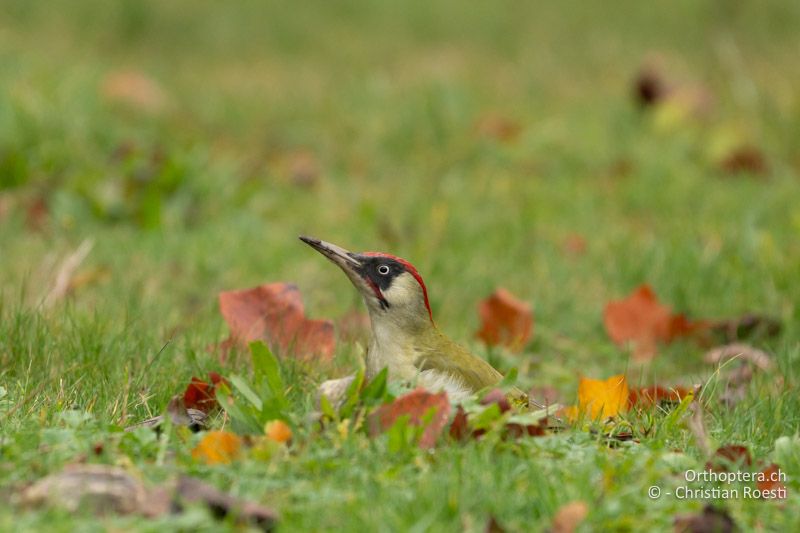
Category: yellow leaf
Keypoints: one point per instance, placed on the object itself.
(603, 398)
(218, 447)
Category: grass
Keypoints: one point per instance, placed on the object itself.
(199, 196)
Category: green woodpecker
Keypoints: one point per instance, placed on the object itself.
(404, 337)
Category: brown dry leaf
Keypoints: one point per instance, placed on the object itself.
(134, 89)
(745, 159)
(302, 168)
(278, 431)
(498, 128)
(218, 447)
(643, 321)
(193, 490)
(730, 455)
(569, 516)
(772, 481)
(100, 488)
(649, 86)
(493, 526)
(721, 354)
(274, 313)
(505, 320)
(416, 405)
(709, 520)
(746, 326)
(655, 395)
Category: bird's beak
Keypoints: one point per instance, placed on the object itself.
(346, 260)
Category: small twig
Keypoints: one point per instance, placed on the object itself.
(66, 271)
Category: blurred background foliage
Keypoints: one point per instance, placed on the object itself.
(194, 140)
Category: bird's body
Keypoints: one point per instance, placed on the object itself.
(404, 338)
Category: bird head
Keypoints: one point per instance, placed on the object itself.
(391, 287)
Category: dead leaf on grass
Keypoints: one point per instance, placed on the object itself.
(218, 447)
(505, 320)
(644, 322)
(274, 313)
(710, 520)
(416, 405)
(134, 89)
(569, 516)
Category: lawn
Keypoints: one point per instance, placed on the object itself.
(153, 155)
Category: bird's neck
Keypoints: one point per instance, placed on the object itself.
(395, 342)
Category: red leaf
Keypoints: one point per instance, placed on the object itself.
(727, 455)
(643, 321)
(416, 404)
(505, 320)
(459, 430)
(496, 396)
(275, 314)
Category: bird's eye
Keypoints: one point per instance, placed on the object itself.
(383, 270)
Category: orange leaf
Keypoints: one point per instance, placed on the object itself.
(505, 320)
(569, 516)
(201, 395)
(655, 394)
(218, 447)
(278, 431)
(416, 404)
(599, 398)
(643, 321)
(275, 314)
(772, 481)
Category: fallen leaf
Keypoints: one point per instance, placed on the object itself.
(101, 488)
(745, 159)
(302, 168)
(493, 526)
(745, 326)
(497, 396)
(574, 245)
(649, 86)
(201, 395)
(134, 89)
(730, 455)
(37, 213)
(499, 128)
(459, 428)
(771, 480)
(505, 320)
(641, 320)
(278, 431)
(656, 394)
(709, 520)
(744, 352)
(416, 405)
(104, 489)
(569, 516)
(193, 490)
(599, 398)
(178, 414)
(274, 313)
(218, 447)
